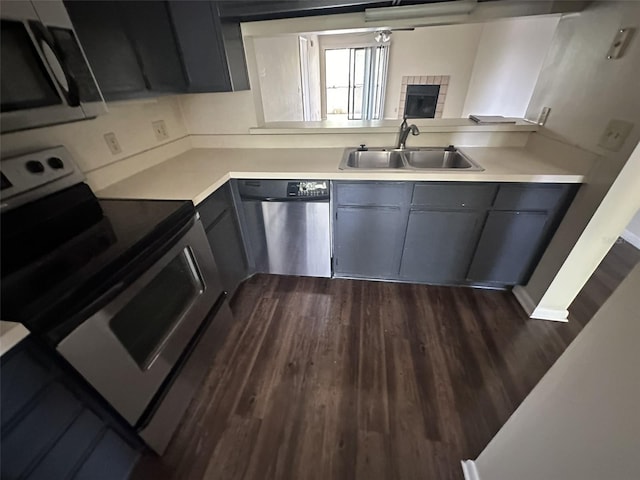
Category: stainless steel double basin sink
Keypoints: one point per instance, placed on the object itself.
(419, 159)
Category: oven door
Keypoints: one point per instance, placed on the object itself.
(127, 349)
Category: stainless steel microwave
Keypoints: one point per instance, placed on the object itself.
(46, 78)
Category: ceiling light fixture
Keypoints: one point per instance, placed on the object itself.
(382, 36)
(416, 11)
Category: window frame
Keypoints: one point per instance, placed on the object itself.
(356, 41)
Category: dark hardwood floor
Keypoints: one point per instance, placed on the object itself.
(343, 379)
(612, 270)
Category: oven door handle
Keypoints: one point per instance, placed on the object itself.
(196, 274)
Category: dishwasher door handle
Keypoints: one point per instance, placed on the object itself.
(323, 198)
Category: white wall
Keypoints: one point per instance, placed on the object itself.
(130, 121)
(581, 422)
(442, 50)
(278, 64)
(585, 90)
(632, 232)
(510, 55)
(219, 113)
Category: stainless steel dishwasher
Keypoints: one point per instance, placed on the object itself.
(288, 226)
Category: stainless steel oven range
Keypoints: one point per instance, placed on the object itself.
(127, 291)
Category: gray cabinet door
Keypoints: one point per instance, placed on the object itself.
(102, 33)
(149, 26)
(228, 251)
(199, 33)
(439, 245)
(509, 244)
(367, 241)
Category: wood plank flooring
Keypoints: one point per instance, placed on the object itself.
(344, 379)
(612, 270)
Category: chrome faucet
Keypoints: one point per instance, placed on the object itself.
(404, 133)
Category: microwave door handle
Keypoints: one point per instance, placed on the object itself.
(52, 55)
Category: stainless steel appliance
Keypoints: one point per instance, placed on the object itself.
(288, 226)
(46, 78)
(127, 291)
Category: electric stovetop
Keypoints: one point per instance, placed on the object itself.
(66, 255)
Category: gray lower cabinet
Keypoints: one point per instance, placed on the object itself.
(445, 232)
(53, 426)
(228, 251)
(439, 245)
(218, 217)
(367, 241)
(509, 243)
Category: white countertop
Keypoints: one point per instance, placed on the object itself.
(426, 125)
(197, 173)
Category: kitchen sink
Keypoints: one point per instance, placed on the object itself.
(439, 159)
(375, 159)
(432, 158)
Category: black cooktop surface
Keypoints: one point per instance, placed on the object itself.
(68, 254)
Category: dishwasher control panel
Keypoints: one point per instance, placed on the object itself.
(308, 189)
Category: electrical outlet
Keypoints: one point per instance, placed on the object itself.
(615, 135)
(160, 129)
(112, 143)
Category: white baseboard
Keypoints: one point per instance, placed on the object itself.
(632, 238)
(469, 470)
(550, 314)
(524, 299)
(536, 312)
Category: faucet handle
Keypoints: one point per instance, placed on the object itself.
(363, 148)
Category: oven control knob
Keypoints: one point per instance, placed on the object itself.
(34, 166)
(55, 163)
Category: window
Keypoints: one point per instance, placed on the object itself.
(355, 80)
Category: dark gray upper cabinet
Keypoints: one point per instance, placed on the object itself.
(151, 31)
(102, 32)
(199, 34)
(144, 48)
(367, 241)
(439, 245)
(253, 10)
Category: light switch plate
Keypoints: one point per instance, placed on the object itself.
(615, 134)
(620, 42)
(112, 143)
(160, 129)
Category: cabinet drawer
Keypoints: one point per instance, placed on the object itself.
(214, 206)
(453, 195)
(375, 194)
(530, 197)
